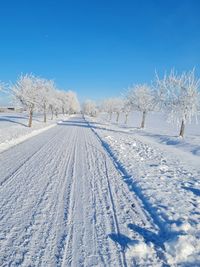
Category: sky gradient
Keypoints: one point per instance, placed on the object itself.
(98, 47)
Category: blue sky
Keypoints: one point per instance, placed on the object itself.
(98, 47)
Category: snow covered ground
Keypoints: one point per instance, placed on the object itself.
(14, 130)
(164, 172)
(161, 131)
(93, 193)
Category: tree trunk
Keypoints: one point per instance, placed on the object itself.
(45, 114)
(143, 119)
(110, 116)
(30, 118)
(51, 114)
(63, 111)
(117, 119)
(182, 130)
(126, 118)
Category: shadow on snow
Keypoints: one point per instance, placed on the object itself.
(195, 191)
(9, 119)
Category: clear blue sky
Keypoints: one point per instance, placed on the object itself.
(98, 47)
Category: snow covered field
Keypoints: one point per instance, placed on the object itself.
(13, 128)
(93, 193)
(159, 130)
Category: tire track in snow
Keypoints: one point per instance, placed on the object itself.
(105, 199)
(84, 237)
(106, 220)
(97, 239)
(68, 208)
(25, 160)
(77, 192)
(99, 221)
(42, 194)
(117, 229)
(26, 167)
(22, 195)
(58, 192)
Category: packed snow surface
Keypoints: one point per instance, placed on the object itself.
(90, 193)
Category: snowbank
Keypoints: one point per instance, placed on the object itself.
(183, 249)
(12, 142)
(14, 130)
(142, 254)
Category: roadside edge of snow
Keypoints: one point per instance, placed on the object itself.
(6, 145)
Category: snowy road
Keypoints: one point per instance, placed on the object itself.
(63, 202)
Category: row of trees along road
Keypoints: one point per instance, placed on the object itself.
(39, 94)
(176, 95)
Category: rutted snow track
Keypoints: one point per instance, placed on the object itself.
(63, 202)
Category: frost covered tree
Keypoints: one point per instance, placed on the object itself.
(62, 99)
(54, 104)
(141, 98)
(107, 107)
(117, 107)
(39, 93)
(2, 87)
(73, 103)
(46, 89)
(27, 92)
(89, 108)
(181, 97)
(69, 102)
(126, 109)
(111, 106)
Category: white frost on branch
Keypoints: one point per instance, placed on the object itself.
(180, 96)
(74, 105)
(2, 86)
(113, 105)
(89, 108)
(35, 93)
(141, 98)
